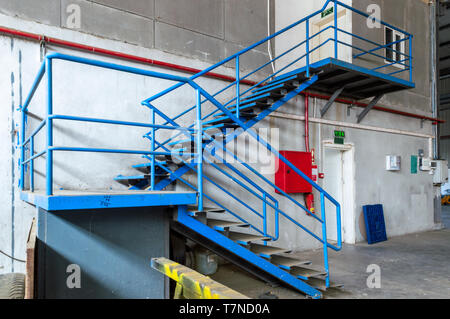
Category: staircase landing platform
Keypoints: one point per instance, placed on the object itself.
(360, 83)
(77, 200)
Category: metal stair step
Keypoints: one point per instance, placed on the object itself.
(146, 167)
(299, 73)
(242, 113)
(149, 164)
(135, 177)
(321, 285)
(246, 107)
(194, 211)
(285, 82)
(288, 262)
(225, 119)
(223, 225)
(275, 89)
(306, 273)
(220, 126)
(187, 142)
(269, 98)
(245, 239)
(267, 251)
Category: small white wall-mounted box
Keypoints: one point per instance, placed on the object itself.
(440, 172)
(426, 164)
(393, 163)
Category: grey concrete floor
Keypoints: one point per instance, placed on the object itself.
(412, 266)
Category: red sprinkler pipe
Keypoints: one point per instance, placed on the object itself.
(182, 68)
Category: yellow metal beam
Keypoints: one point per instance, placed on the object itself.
(194, 284)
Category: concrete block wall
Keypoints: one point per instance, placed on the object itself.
(208, 30)
(115, 96)
(403, 14)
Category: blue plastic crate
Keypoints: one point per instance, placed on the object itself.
(375, 225)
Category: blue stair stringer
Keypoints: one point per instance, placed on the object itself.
(249, 107)
(230, 245)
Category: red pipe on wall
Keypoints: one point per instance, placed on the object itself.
(182, 68)
(119, 55)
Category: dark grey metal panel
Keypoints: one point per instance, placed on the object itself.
(113, 248)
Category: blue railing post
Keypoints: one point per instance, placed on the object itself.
(307, 49)
(265, 215)
(199, 151)
(336, 29)
(410, 59)
(32, 164)
(153, 132)
(49, 127)
(324, 238)
(238, 87)
(277, 221)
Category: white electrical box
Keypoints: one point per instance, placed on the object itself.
(426, 164)
(440, 172)
(393, 163)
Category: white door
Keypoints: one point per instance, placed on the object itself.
(327, 50)
(333, 185)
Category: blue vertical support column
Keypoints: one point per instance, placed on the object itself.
(307, 49)
(48, 68)
(199, 151)
(153, 132)
(238, 87)
(335, 29)
(32, 164)
(324, 238)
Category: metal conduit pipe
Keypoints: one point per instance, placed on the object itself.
(430, 138)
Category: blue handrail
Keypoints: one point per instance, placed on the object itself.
(406, 63)
(47, 69)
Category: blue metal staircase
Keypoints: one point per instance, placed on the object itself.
(248, 108)
(231, 233)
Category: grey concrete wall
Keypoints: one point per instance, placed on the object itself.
(413, 17)
(209, 30)
(91, 92)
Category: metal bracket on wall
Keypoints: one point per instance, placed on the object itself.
(42, 50)
(369, 107)
(330, 102)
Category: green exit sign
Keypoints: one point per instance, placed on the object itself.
(339, 137)
(327, 12)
